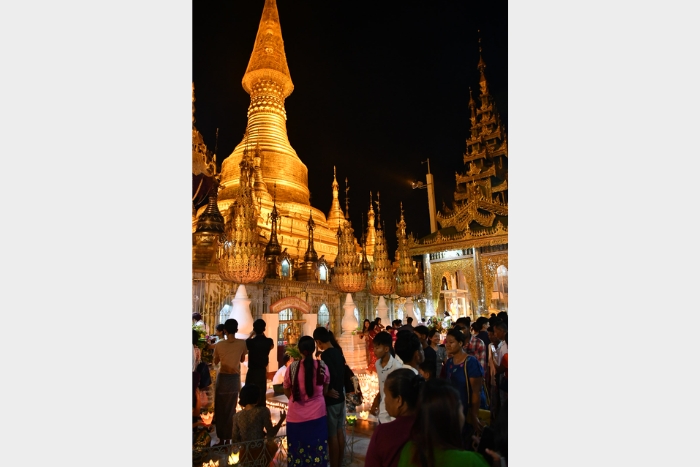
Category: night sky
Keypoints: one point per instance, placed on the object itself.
(378, 87)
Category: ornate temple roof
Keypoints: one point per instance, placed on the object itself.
(479, 214)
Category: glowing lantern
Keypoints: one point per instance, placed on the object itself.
(363, 415)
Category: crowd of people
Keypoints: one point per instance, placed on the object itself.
(421, 382)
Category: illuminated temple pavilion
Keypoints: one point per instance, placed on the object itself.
(466, 260)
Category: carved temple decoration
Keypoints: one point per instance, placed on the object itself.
(203, 160)
(273, 250)
(241, 255)
(210, 229)
(348, 275)
(408, 283)
(381, 277)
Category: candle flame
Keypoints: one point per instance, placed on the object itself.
(233, 458)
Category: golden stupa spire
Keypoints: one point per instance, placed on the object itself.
(381, 277)
(268, 59)
(408, 283)
(348, 274)
(268, 82)
(336, 213)
(371, 231)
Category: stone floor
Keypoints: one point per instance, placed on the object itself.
(363, 433)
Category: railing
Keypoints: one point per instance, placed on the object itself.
(260, 452)
(256, 453)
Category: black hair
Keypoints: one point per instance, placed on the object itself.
(306, 348)
(438, 400)
(407, 344)
(428, 366)
(334, 343)
(286, 358)
(431, 333)
(503, 316)
(195, 337)
(405, 383)
(363, 323)
(463, 320)
(322, 335)
(409, 320)
(231, 326)
(196, 316)
(249, 394)
(458, 335)
(501, 325)
(422, 330)
(372, 325)
(259, 326)
(493, 320)
(220, 327)
(382, 338)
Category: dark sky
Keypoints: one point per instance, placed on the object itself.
(378, 87)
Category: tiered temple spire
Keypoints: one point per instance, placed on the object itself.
(381, 277)
(348, 275)
(335, 215)
(408, 283)
(241, 255)
(481, 196)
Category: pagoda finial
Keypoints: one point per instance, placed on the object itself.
(268, 59)
(336, 213)
(347, 200)
(379, 212)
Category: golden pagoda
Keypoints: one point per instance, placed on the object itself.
(348, 273)
(275, 162)
(269, 83)
(381, 277)
(408, 283)
(241, 254)
(466, 260)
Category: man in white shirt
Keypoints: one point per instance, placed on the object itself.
(385, 364)
(279, 376)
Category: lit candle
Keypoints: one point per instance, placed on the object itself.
(233, 459)
(211, 464)
(363, 415)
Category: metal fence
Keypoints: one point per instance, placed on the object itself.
(257, 453)
(260, 453)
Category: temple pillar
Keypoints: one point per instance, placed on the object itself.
(307, 328)
(428, 282)
(382, 309)
(480, 293)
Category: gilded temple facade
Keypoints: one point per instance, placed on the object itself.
(466, 260)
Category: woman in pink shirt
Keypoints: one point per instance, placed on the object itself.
(305, 384)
